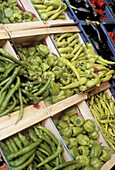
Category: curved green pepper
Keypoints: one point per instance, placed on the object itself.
(83, 150)
(44, 66)
(38, 59)
(96, 150)
(57, 71)
(83, 139)
(70, 111)
(89, 125)
(106, 154)
(63, 124)
(69, 93)
(95, 163)
(31, 51)
(67, 132)
(88, 168)
(65, 79)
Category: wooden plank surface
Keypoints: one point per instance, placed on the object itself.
(31, 116)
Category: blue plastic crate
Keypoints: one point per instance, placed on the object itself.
(110, 53)
(111, 6)
(108, 13)
(109, 27)
(72, 14)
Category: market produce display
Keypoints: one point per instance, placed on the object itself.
(18, 86)
(3, 165)
(99, 6)
(11, 13)
(34, 148)
(112, 35)
(102, 107)
(80, 136)
(89, 68)
(50, 9)
(83, 10)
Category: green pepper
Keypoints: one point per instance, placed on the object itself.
(83, 150)
(78, 121)
(95, 163)
(54, 88)
(76, 131)
(55, 120)
(63, 124)
(59, 97)
(5, 21)
(69, 93)
(74, 152)
(65, 78)
(8, 12)
(44, 66)
(66, 140)
(31, 51)
(94, 134)
(73, 117)
(27, 15)
(48, 74)
(96, 150)
(65, 117)
(83, 139)
(25, 51)
(67, 132)
(48, 99)
(82, 160)
(57, 71)
(70, 111)
(55, 4)
(89, 125)
(43, 50)
(16, 18)
(51, 60)
(73, 142)
(106, 154)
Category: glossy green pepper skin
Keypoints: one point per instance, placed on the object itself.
(73, 142)
(57, 71)
(44, 66)
(62, 124)
(89, 125)
(94, 134)
(82, 160)
(48, 74)
(96, 149)
(70, 111)
(65, 78)
(106, 154)
(83, 139)
(83, 150)
(59, 97)
(43, 50)
(69, 93)
(31, 51)
(66, 140)
(78, 121)
(51, 60)
(95, 163)
(54, 88)
(67, 132)
(76, 131)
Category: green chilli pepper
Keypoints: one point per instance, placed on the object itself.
(57, 71)
(54, 88)
(76, 131)
(65, 78)
(48, 74)
(59, 97)
(43, 50)
(74, 152)
(94, 134)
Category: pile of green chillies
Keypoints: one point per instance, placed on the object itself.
(18, 88)
(34, 148)
(90, 69)
(102, 107)
(11, 13)
(80, 136)
(50, 9)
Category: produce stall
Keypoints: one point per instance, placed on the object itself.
(57, 89)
